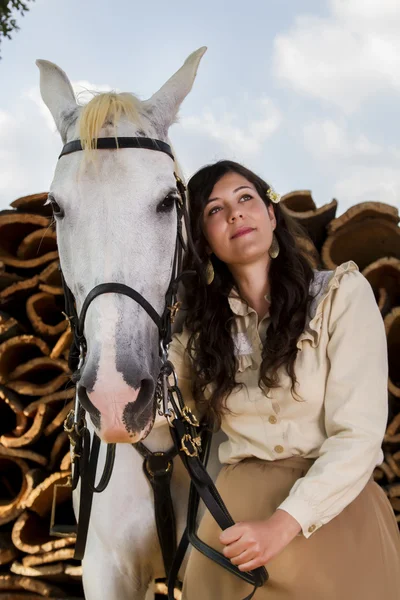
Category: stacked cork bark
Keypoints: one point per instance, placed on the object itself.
(36, 393)
(369, 234)
(35, 396)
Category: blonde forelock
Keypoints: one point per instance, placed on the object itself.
(104, 108)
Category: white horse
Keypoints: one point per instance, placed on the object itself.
(114, 225)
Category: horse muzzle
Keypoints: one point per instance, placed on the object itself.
(121, 414)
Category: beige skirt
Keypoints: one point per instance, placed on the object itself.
(356, 556)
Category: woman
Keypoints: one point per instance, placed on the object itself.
(291, 363)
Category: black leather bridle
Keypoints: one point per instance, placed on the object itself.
(187, 434)
(163, 322)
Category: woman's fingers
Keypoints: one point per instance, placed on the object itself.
(244, 557)
(235, 548)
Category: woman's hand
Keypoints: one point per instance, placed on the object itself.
(251, 544)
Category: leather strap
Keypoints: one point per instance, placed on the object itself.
(88, 468)
(158, 468)
(113, 143)
(177, 563)
(88, 474)
(115, 288)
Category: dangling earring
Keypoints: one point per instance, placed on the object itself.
(274, 249)
(209, 273)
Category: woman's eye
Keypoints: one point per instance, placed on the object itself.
(167, 204)
(57, 210)
(214, 210)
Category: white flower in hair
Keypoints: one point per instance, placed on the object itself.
(273, 195)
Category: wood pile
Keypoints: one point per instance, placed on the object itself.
(35, 396)
(369, 234)
(36, 392)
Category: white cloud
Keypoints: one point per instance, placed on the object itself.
(362, 170)
(29, 143)
(344, 59)
(231, 130)
(373, 183)
(368, 13)
(326, 139)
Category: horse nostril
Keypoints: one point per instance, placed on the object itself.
(140, 412)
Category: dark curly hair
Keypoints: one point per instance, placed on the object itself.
(209, 315)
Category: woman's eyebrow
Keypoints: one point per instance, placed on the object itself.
(241, 187)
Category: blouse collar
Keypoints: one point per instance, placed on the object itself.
(239, 306)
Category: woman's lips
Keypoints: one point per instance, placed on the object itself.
(243, 232)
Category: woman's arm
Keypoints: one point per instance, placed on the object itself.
(356, 408)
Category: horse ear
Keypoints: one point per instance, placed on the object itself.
(56, 91)
(163, 106)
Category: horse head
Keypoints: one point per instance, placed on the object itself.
(116, 222)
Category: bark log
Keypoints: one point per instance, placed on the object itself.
(365, 233)
(20, 237)
(34, 203)
(46, 315)
(302, 208)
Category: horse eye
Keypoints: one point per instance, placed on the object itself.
(57, 210)
(167, 204)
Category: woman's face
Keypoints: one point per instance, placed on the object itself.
(235, 208)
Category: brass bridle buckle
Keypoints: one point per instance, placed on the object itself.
(190, 445)
(190, 417)
(73, 429)
(157, 457)
(174, 309)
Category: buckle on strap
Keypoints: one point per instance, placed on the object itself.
(190, 417)
(174, 309)
(73, 429)
(190, 446)
(158, 464)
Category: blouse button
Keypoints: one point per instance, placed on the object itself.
(279, 449)
(272, 419)
(312, 528)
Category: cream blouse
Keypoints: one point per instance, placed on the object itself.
(342, 373)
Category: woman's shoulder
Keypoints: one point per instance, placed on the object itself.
(346, 276)
(344, 284)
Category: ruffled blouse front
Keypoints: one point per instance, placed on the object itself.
(339, 412)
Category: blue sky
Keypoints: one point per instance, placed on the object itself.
(305, 92)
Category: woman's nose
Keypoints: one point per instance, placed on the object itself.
(235, 214)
